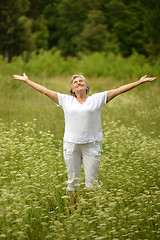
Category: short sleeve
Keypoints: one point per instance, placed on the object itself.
(64, 100)
(105, 97)
(60, 100)
(100, 99)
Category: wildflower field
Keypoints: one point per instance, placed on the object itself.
(34, 204)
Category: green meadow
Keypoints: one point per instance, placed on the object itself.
(34, 204)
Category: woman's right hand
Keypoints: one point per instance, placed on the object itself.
(23, 78)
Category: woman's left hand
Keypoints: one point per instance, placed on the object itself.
(145, 79)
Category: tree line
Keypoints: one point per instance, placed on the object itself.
(80, 27)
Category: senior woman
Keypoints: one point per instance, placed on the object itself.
(83, 131)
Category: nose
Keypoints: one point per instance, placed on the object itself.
(78, 83)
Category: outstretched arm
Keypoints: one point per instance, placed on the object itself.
(51, 94)
(115, 92)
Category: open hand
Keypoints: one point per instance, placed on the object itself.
(23, 78)
(145, 79)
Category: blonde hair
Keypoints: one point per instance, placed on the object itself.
(72, 79)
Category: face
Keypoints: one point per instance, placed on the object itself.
(78, 84)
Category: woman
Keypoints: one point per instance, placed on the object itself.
(83, 131)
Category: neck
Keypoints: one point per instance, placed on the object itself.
(81, 95)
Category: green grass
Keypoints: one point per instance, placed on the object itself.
(139, 107)
(34, 203)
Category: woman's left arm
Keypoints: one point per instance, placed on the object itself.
(115, 92)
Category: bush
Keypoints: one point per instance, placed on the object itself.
(51, 63)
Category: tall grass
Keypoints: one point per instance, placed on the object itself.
(34, 204)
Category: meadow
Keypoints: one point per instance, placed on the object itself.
(34, 204)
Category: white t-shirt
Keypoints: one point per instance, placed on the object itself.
(82, 120)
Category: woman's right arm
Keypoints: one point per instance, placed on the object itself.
(51, 94)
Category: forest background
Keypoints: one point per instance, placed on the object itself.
(79, 27)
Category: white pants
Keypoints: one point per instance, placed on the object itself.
(74, 154)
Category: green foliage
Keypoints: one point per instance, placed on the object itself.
(112, 11)
(129, 30)
(153, 41)
(27, 40)
(69, 22)
(51, 63)
(124, 26)
(75, 27)
(51, 15)
(94, 33)
(42, 34)
(14, 25)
